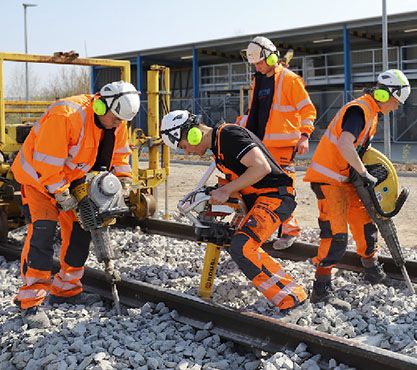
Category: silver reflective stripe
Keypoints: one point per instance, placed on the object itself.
(278, 93)
(327, 172)
(303, 103)
(30, 280)
(246, 147)
(66, 276)
(243, 120)
(48, 159)
(31, 293)
(273, 280)
(27, 167)
(125, 168)
(333, 138)
(307, 122)
(291, 135)
(123, 150)
(65, 285)
(277, 299)
(52, 188)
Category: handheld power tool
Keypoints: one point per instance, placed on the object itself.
(100, 201)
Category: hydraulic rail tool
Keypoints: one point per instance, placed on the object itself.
(213, 225)
(383, 202)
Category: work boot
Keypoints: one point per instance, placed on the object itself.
(322, 291)
(284, 242)
(374, 274)
(78, 299)
(35, 318)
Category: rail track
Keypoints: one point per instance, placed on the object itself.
(298, 252)
(245, 328)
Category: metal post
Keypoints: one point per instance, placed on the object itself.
(196, 88)
(139, 85)
(26, 50)
(387, 128)
(347, 65)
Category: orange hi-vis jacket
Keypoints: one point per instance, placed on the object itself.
(292, 112)
(328, 165)
(63, 145)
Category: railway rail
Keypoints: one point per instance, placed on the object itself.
(298, 252)
(245, 328)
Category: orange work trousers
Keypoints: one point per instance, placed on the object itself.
(340, 207)
(268, 276)
(285, 158)
(42, 216)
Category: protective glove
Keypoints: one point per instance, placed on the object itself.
(126, 185)
(66, 201)
(368, 179)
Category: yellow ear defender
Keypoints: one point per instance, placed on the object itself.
(271, 59)
(381, 94)
(99, 107)
(194, 136)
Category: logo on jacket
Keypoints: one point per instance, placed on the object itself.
(251, 222)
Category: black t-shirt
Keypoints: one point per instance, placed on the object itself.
(354, 121)
(105, 148)
(235, 142)
(261, 104)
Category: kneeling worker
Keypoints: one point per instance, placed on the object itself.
(74, 136)
(266, 189)
(337, 152)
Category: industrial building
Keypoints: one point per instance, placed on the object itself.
(336, 60)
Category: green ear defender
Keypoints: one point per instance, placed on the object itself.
(194, 136)
(381, 95)
(272, 59)
(99, 107)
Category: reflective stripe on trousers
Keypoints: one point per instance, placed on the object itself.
(37, 253)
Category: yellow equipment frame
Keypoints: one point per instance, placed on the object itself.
(7, 143)
(145, 180)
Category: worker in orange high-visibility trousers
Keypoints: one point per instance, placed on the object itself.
(74, 136)
(281, 114)
(266, 190)
(350, 131)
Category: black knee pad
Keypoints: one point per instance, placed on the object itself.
(41, 250)
(78, 248)
(371, 237)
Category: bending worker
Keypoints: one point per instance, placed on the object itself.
(281, 114)
(266, 189)
(339, 205)
(74, 136)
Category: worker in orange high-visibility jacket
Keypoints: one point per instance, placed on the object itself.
(348, 133)
(281, 114)
(75, 135)
(266, 189)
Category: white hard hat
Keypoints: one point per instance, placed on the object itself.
(172, 125)
(122, 99)
(259, 49)
(396, 82)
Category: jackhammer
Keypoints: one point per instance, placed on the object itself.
(383, 202)
(100, 201)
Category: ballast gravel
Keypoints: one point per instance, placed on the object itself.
(152, 338)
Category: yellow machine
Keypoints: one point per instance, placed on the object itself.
(145, 180)
(387, 188)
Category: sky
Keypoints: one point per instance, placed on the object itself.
(111, 26)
